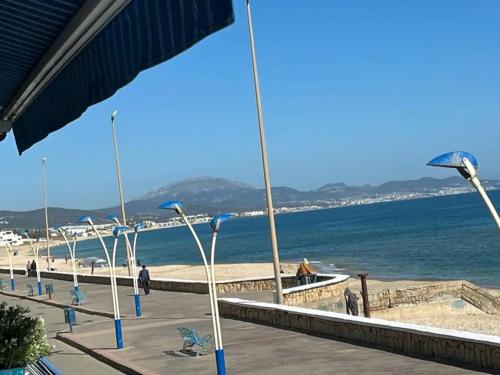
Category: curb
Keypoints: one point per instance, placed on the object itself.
(60, 305)
(106, 356)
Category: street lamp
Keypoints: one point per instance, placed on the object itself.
(44, 186)
(72, 254)
(9, 250)
(36, 253)
(131, 256)
(178, 207)
(112, 275)
(467, 166)
(138, 310)
(215, 225)
(265, 161)
(120, 187)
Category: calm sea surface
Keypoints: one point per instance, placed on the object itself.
(449, 237)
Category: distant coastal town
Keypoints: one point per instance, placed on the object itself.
(14, 238)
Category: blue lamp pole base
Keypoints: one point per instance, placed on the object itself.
(12, 285)
(118, 333)
(221, 364)
(138, 309)
(40, 292)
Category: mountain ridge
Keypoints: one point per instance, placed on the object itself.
(215, 194)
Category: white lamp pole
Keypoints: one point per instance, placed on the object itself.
(36, 253)
(44, 185)
(72, 254)
(466, 164)
(8, 249)
(112, 276)
(132, 251)
(265, 162)
(120, 187)
(178, 206)
(477, 184)
(215, 225)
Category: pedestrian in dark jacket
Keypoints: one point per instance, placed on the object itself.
(144, 279)
(33, 268)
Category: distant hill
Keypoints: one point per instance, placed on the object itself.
(211, 195)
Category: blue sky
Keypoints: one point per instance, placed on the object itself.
(357, 92)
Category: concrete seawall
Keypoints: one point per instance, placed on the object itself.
(176, 285)
(468, 348)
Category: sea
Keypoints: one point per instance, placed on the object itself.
(439, 238)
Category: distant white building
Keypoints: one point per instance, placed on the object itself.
(10, 238)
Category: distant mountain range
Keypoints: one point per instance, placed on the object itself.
(211, 195)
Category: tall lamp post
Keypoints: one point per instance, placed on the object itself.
(178, 207)
(8, 249)
(111, 258)
(36, 253)
(72, 254)
(132, 250)
(138, 309)
(44, 186)
(265, 162)
(215, 225)
(467, 166)
(120, 185)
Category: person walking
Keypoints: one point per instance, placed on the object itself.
(28, 268)
(33, 268)
(144, 279)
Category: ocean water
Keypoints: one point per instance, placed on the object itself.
(450, 237)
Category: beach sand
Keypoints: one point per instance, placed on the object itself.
(175, 271)
(469, 319)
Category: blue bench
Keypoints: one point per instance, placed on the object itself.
(78, 297)
(193, 342)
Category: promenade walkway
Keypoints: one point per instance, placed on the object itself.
(152, 343)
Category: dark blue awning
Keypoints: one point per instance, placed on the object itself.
(58, 57)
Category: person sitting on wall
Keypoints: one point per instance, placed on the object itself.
(305, 274)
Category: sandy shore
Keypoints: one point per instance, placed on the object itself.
(177, 271)
(438, 315)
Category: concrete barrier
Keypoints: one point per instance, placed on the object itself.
(472, 349)
(17, 271)
(326, 294)
(253, 284)
(385, 299)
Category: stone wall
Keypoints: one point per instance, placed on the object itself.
(174, 285)
(480, 298)
(17, 271)
(387, 298)
(472, 349)
(324, 295)
(476, 296)
(253, 284)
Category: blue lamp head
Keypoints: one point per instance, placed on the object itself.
(119, 230)
(217, 221)
(138, 227)
(86, 220)
(453, 160)
(113, 218)
(177, 206)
